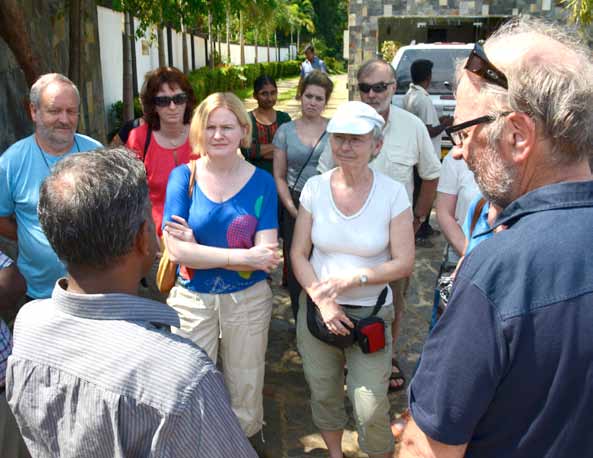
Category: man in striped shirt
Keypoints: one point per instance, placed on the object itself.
(95, 371)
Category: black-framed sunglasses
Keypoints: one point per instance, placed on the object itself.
(377, 87)
(478, 63)
(165, 100)
(455, 132)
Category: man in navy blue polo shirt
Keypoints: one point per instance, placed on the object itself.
(508, 370)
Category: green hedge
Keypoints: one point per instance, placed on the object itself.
(234, 78)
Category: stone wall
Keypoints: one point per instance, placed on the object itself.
(48, 26)
(363, 20)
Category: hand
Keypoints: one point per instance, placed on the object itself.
(334, 318)
(180, 230)
(263, 257)
(446, 121)
(329, 289)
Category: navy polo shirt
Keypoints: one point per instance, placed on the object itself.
(509, 367)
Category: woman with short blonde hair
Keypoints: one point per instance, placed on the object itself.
(224, 236)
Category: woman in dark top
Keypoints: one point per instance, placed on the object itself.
(264, 121)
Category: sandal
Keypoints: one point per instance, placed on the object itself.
(397, 379)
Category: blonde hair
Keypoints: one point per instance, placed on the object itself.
(197, 129)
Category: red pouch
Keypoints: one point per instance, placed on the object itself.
(370, 334)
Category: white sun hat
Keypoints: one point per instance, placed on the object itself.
(356, 118)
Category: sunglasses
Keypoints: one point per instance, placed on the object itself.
(478, 63)
(377, 87)
(165, 100)
(455, 133)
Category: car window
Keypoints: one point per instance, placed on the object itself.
(443, 70)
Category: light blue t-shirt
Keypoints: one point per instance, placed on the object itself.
(22, 170)
(481, 225)
(229, 224)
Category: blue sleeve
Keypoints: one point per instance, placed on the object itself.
(461, 366)
(177, 201)
(6, 201)
(268, 218)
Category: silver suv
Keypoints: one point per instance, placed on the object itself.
(444, 56)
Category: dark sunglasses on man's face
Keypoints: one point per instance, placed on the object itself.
(165, 100)
(377, 87)
(478, 63)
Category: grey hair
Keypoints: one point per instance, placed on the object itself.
(45, 80)
(370, 65)
(555, 90)
(377, 134)
(92, 206)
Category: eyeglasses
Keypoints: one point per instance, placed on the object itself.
(355, 141)
(478, 63)
(165, 100)
(377, 87)
(455, 133)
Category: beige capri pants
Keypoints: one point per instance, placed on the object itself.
(367, 382)
(234, 325)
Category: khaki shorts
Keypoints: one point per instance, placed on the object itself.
(367, 382)
(235, 327)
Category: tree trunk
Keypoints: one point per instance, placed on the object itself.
(161, 45)
(298, 41)
(228, 34)
(219, 43)
(256, 50)
(276, 45)
(128, 94)
(14, 30)
(210, 39)
(184, 50)
(290, 56)
(268, 44)
(241, 38)
(75, 42)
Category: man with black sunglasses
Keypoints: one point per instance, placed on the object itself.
(506, 372)
(406, 144)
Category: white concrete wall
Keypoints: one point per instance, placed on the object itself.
(147, 56)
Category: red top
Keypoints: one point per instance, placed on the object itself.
(158, 162)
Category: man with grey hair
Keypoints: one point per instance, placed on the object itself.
(406, 144)
(23, 166)
(506, 372)
(95, 370)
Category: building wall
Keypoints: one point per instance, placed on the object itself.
(364, 15)
(110, 26)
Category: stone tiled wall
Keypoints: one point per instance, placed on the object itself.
(364, 14)
(48, 26)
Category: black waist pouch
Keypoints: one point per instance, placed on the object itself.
(369, 331)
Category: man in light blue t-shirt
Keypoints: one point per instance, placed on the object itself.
(23, 167)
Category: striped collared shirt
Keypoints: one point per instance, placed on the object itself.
(100, 375)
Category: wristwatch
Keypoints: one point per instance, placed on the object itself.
(363, 280)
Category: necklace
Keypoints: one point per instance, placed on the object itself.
(179, 139)
(42, 153)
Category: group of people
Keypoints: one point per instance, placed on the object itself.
(98, 371)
